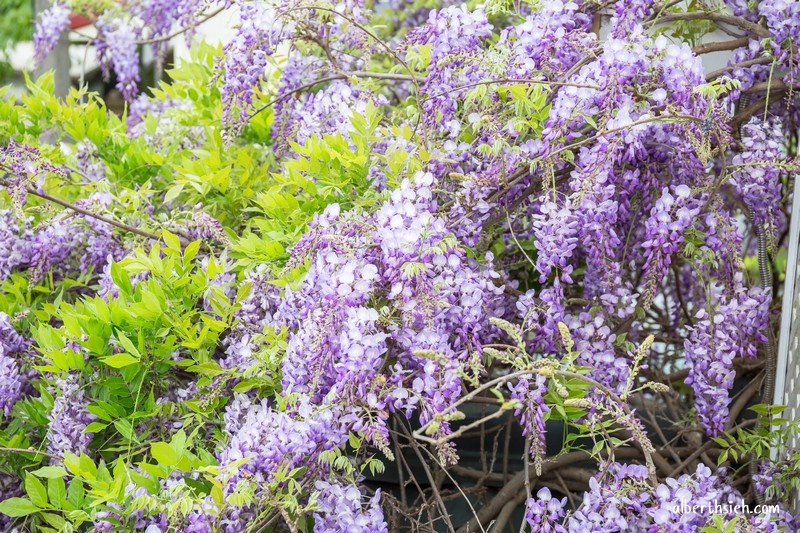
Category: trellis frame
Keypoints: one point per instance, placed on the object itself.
(787, 378)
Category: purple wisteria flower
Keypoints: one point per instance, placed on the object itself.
(68, 419)
(261, 30)
(532, 409)
(116, 49)
(405, 255)
(52, 22)
(620, 500)
(544, 512)
(550, 40)
(11, 382)
(340, 508)
(735, 328)
(27, 168)
(673, 213)
(14, 375)
(88, 162)
(555, 229)
(452, 35)
(757, 178)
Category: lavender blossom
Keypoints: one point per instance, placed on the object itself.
(758, 180)
(532, 410)
(340, 509)
(544, 512)
(735, 328)
(673, 213)
(68, 419)
(52, 22)
(11, 382)
(117, 49)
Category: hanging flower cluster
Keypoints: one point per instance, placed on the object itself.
(345, 234)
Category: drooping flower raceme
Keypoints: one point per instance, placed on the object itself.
(735, 328)
(669, 219)
(11, 382)
(117, 50)
(532, 411)
(68, 419)
(52, 22)
(453, 35)
(757, 178)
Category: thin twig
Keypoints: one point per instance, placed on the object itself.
(377, 39)
(88, 213)
(652, 457)
(705, 447)
(517, 483)
(182, 30)
(768, 87)
(745, 114)
(33, 451)
(332, 77)
(506, 512)
(739, 22)
(437, 496)
(453, 481)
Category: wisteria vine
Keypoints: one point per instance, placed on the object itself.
(373, 235)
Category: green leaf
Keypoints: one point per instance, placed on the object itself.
(722, 457)
(50, 472)
(245, 385)
(173, 192)
(128, 345)
(191, 251)
(99, 412)
(16, 507)
(119, 360)
(152, 304)
(178, 442)
(88, 469)
(75, 493)
(57, 491)
(125, 429)
(55, 520)
(761, 409)
(36, 491)
(171, 240)
(599, 445)
(94, 427)
(121, 278)
(210, 369)
(164, 454)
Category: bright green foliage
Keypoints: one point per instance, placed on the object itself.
(167, 323)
